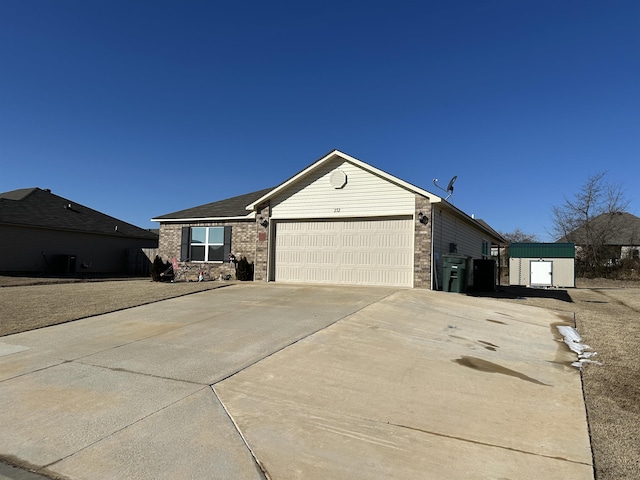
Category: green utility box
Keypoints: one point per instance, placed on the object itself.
(455, 273)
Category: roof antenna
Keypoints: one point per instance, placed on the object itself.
(449, 189)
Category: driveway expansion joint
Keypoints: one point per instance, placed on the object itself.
(257, 461)
(476, 442)
(308, 335)
(150, 375)
(115, 432)
(61, 362)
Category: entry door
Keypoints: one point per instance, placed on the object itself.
(542, 273)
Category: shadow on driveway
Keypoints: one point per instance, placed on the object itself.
(516, 292)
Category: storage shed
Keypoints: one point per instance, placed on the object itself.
(542, 264)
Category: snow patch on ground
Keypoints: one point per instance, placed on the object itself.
(574, 341)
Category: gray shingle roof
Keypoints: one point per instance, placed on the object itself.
(501, 240)
(230, 207)
(621, 228)
(36, 207)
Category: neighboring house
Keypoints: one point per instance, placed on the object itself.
(42, 232)
(618, 233)
(542, 264)
(338, 221)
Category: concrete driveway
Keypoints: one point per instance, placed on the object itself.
(289, 381)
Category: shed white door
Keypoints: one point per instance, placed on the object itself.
(541, 273)
(357, 252)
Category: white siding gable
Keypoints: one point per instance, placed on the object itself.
(363, 195)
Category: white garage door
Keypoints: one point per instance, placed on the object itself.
(357, 252)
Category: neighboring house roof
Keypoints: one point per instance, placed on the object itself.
(234, 207)
(35, 207)
(621, 228)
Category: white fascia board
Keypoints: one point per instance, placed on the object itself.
(455, 209)
(365, 166)
(251, 216)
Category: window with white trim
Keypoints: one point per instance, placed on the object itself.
(207, 244)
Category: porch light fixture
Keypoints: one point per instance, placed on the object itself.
(264, 222)
(422, 218)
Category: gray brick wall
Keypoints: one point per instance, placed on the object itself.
(243, 244)
(262, 246)
(422, 245)
(251, 240)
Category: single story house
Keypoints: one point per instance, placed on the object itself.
(339, 221)
(617, 232)
(542, 264)
(41, 232)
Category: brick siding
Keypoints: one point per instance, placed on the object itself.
(422, 245)
(261, 242)
(243, 244)
(251, 240)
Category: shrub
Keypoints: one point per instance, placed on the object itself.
(244, 270)
(158, 268)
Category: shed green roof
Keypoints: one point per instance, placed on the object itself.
(540, 250)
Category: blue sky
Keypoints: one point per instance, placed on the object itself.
(142, 108)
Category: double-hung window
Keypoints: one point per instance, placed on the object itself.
(486, 250)
(206, 244)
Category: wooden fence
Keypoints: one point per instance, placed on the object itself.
(140, 260)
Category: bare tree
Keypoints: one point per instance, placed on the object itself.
(518, 236)
(587, 219)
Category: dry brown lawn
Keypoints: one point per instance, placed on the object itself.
(28, 305)
(607, 316)
(608, 319)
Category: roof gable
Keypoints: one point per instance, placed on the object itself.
(332, 156)
(34, 207)
(338, 188)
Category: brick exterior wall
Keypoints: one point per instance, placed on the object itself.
(243, 244)
(422, 245)
(251, 240)
(261, 241)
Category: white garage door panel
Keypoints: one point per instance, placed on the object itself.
(359, 252)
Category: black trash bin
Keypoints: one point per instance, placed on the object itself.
(65, 264)
(484, 275)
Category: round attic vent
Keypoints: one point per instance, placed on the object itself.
(338, 179)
